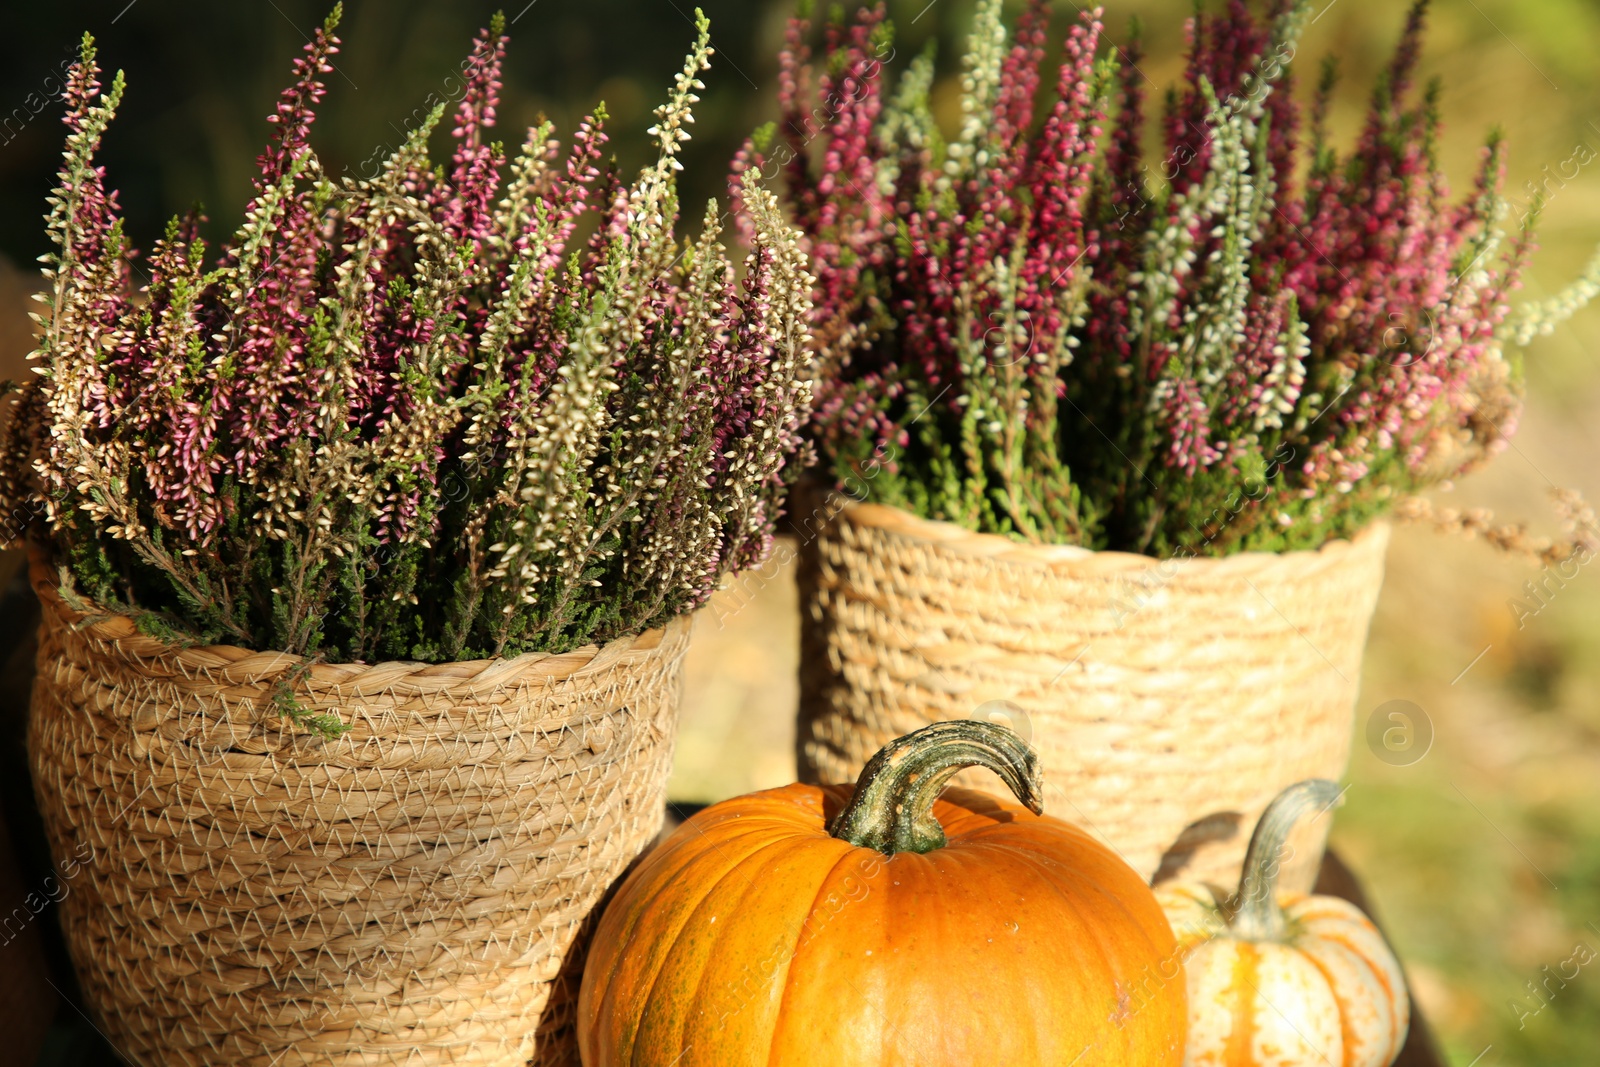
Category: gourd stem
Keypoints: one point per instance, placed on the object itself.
(1256, 915)
(892, 809)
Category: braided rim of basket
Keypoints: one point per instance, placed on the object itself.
(949, 537)
(237, 665)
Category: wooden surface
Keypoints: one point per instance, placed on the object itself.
(75, 1043)
(37, 990)
(27, 1003)
(27, 893)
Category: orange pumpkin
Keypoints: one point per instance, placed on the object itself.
(1285, 979)
(907, 930)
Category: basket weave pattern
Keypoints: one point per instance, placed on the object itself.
(1169, 701)
(405, 894)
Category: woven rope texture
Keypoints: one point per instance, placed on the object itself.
(405, 894)
(1169, 700)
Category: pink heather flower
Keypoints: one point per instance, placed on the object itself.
(416, 415)
(1058, 338)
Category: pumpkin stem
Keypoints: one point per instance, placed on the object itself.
(892, 810)
(1255, 914)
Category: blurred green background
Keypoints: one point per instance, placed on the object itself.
(1483, 856)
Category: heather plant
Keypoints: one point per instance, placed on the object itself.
(480, 408)
(1027, 326)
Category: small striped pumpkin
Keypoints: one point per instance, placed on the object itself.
(1285, 979)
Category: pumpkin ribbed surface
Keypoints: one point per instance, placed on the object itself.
(753, 937)
(1331, 994)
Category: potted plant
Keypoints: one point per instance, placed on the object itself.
(367, 551)
(1113, 436)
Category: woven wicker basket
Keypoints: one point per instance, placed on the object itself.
(406, 894)
(1169, 700)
